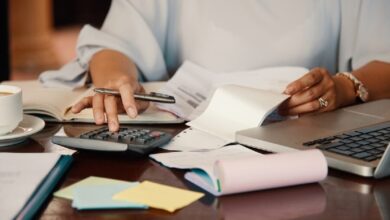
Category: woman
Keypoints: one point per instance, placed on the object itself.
(146, 40)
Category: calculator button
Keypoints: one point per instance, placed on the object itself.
(141, 140)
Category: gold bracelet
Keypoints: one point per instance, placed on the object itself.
(360, 91)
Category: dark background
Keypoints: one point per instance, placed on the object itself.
(4, 46)
(73, 12)
(65, 13)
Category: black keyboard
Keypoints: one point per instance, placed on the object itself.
(141, 141)
(366, 144)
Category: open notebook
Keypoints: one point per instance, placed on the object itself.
(54, 104)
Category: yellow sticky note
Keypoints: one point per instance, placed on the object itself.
(67, 192)
(159, 196)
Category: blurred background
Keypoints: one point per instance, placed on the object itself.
(40, 35)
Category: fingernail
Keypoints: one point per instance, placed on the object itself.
(132, 112)
(112, 125)
(99, 118)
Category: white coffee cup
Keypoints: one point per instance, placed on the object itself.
(11, 109)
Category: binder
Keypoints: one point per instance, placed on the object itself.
(45, 189)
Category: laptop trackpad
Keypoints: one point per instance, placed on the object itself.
(377, 109)
(352, 117)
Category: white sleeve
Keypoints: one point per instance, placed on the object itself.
(373, 36)
(135, 28)
(365, 33)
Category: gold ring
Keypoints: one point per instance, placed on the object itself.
(323, 102)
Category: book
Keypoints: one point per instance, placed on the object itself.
(54, 104)
(29, 181)
(237, 169)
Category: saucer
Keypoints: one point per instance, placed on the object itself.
(28, 126)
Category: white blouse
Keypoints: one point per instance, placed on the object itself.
(234, 35)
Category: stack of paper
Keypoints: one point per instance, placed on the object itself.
(104, 193)
(96, 193)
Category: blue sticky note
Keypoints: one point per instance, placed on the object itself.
(100, 197)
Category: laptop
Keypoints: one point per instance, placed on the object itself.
(354, 139)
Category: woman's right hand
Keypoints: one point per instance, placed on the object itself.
(111, 69)
(107, 107)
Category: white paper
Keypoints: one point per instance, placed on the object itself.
(190, 160)
(55, 148)
(190, 86)
(20, 175)
(202, 160)
(193, 85)
(194, 140)
(233, 108)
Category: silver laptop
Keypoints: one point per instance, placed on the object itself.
(354, 139)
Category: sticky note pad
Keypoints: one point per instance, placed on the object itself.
(67, 192)
(159, 196)
(100, 197)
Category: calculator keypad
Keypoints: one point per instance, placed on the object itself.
(133, 137)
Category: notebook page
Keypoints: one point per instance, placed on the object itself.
(233, 108)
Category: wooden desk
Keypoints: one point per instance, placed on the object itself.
(339, 196)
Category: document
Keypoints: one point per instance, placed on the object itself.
(193, 85)
(233, 108)
(219, 104)
(20, 176)
(236, 169)
(159, 196)
(184, 141)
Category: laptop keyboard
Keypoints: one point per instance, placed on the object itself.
(366, 144)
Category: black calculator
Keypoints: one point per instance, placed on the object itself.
(137, 140)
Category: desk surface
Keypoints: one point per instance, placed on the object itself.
(339, 196)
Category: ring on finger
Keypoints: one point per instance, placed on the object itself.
(323, 102)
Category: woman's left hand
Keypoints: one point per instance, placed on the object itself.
(316, 91)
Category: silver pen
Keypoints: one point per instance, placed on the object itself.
(151, 97)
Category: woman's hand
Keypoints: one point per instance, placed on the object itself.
(108, 106)
(317, 91)
(113, 70)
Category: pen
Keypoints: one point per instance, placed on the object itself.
(152, 97)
